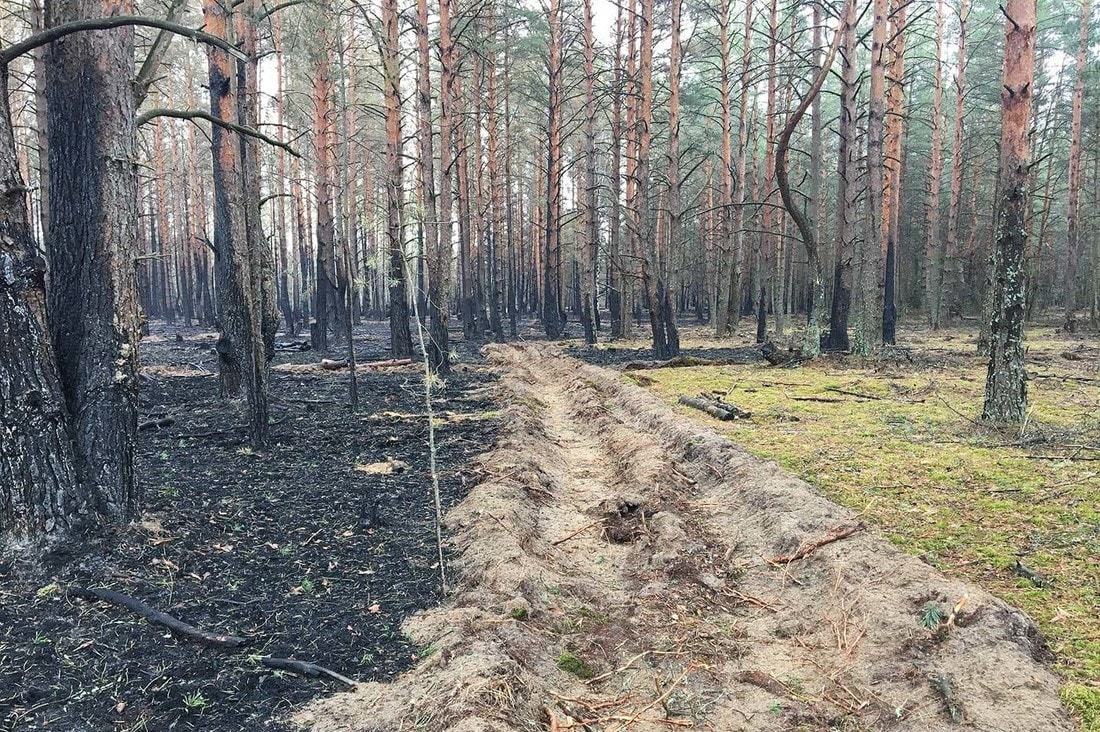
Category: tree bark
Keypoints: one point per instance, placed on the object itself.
(870, 295)
(1073, 205)
(552, 321)
(439, 267)
(242, 356)
(1006, 377)
(93, 308)
(40, 493)
(400, 336)
(951, 279)
(933, 251)
(847, 195)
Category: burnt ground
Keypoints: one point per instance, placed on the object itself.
(280, 547)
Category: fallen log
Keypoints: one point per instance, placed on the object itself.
(293, 346)
(808, 548)
(338, 365)
(776, 357)
(304, 668)
(672, 363)
(156, 617)
(715, 408)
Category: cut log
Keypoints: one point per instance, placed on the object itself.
(715, 408)
(156, 617)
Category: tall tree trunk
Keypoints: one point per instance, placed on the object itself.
(1006, 378)
(847, 195)
(770, 245)
(439, 269)
(552, 321)
(614, 255)
(496, 234)
(933, 251)
(40, 493)
(426, 164)
(892, 162)
(727, 257)
(93, 308)
(951, 280)
(242, 356)
(1076, 173)
(327, 287)
(868, 330)
(400, 337)
(590, 223)
(811, 344)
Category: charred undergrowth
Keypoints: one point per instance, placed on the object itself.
(293, 548)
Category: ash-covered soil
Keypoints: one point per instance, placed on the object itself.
(294, 548)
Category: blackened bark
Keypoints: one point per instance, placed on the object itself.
(92, 247)
(400, 337)
(39, 491)
(241, 351)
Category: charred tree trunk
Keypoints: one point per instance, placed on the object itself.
(242, 356)
(590, 223)
(400, 337)
(552, 320)
(326, 292)
(92, 246)
(846, 192)
(40, 494)
(439, 269)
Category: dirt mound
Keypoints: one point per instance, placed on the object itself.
(620, 568)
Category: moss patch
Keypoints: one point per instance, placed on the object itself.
(572, 664)
(899, 441)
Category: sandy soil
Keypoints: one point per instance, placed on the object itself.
(621, 568)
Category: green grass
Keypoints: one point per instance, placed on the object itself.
(963, 497)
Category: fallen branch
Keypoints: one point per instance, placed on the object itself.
(858, 394)
(156, 617)
(840, 532)
(156, 423)
(578, 531)
(715, 408)
(304, 668)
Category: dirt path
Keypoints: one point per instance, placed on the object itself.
(623, 568)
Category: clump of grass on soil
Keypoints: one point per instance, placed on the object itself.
(900, 441)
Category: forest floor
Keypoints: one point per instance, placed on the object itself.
(618, 564)
(622, 567)
(897, 439)
(317, 549)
